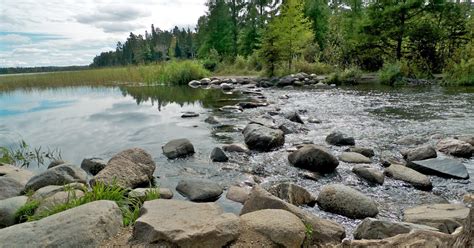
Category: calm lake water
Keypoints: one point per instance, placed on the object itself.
(99, 122)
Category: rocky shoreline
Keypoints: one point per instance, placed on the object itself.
(271, 215)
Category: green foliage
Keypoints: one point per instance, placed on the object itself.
(181, 72)
(390, 73)
(309, 230)
(461, 74)
(348, 76)
(317, 68)
(26, 212)
(23, 155)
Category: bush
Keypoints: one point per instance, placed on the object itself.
(210, 65)
(348, 76)
(390, 73)
(461, 74)
(26, 211)
(316, 67)
(181, 72)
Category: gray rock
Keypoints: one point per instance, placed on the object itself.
(285, 81)
(313, 158)
(199, 190)
(93, 165)
(294, 117)
(467, 138)
(354, 157)
(55, 163)
(141, 193)
(293, 194)
(194, 84)
(189, 115)
(454, 147)
(261, 227)
(217, 155)
(172, 223)
(420, 153)
(371, 175)
(58, 198)
(410, 140)
(211, 120)
(226, 86)
(12, 180)
(445, 217)
(346, 201)
(238, 194)
(236, 148)
(59, 175)
(340, 139)
(314, 121)
(408, 175)
(231, 109)
(371, 228)
(205, 81)
(8, 208)
(249, 105)
(131, 168)
(448, 168)
(264, 120)
(89, 224)
(178, 148)
(325, 233)
(50, 190)
(364, 151)
(261, 138)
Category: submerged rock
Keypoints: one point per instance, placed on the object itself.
(340, 139)
(217, 155)
(59, 175)
(211, 120)
(261, 138)
(371, 175)
(199, 190)
(178, 148)
(371, 228)
(294, 117)
(448, 168)
(314, 158)
(293, 194)
(12, 180)
(454, 147)
(400, 172)
(346, 201)
(445, 217)
(189, 115)
(354, 157)
(173, 223)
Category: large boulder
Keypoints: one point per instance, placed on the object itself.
(362, 150)
(325, 232)
(12, 180)
(285, 81)
(178, 148)
(369, 174)
(454, 147)
(50, 190)
(371, 228)
(445, 217)
(275, 227)
(58, 198)
(173, 223)
(131, 168)
(89, 224)
(314, 158)
(340, 139)
(293, 194)
(199, 190)
(354, 157)
(59, 175)
(346, 201)
(8, 209)
(261, 138)
(413, 177)
(93, 165)
(448, 168)
(420, 153)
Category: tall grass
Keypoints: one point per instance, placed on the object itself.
(461, 74)
(390, 74)
(173, 72)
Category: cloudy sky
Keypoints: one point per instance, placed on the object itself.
(72, 32)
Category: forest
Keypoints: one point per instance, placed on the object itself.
(412, 38)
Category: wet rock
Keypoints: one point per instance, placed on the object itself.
(340, 139)
(236, 148)
(12, 180)
(293, 194)
(211, 120)
(231, 109)
(194, 84)
(285, 129)
(400, 172)
(217, 155)
(141, 193)
(173, 223)
(445, 217)
(249, 105)
(448, 168)
(88, 224)
(361, 150)
(226, 86)
(468, 199)
(238, 194)
(178, 148)
(264, 120)
(131, 168)
(205, 81)
(313, 158)
(261, 228)
(59, 175)
(55, 163)
(371, 175)
(325, 232)
(314, 121)
(467, 138)
(285, 81)
(346, 201)
(410, 140)
(8, 209)
(321, 85)
(261, 138)
(420, 153)
(294, 117)
(199, 190)
(189, 115)
(454, 147)
(354, 157)
(93, 165)
(371, 228)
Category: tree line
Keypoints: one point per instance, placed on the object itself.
(426, 36)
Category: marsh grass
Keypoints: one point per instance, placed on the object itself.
(172, 72)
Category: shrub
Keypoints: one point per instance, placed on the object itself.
(316, 67)
(181, 72)
(390, 73)
(461, 74)
(26, 211)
